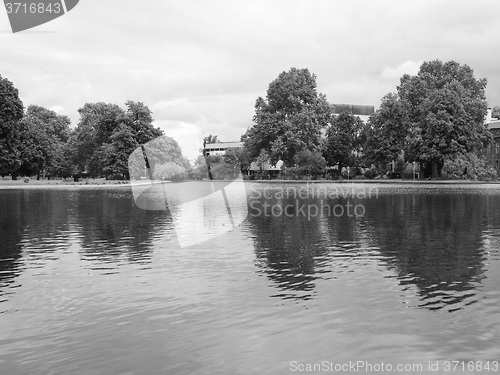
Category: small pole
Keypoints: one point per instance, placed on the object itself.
(206, 155)
(413, 171)
(148, 167)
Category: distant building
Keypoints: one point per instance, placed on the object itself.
(220, 148)
(492, 152)
(362, 111)
(272, 170)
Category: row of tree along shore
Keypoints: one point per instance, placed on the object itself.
(432, 126)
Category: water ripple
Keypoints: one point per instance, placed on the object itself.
(91, 284)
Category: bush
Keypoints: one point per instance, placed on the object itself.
(224, 171)
(170, 171)
(309, 164)
(115, 176)
(469, 166)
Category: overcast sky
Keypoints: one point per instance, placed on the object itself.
(199, 65)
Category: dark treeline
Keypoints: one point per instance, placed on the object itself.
(39, 142)
(433, 124)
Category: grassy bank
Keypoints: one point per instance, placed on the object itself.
(20, 183)
(68, 182)
(385, 181)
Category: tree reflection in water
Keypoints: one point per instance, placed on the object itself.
(431, 239)
(435, 242)
(104, 223)
(113, 227)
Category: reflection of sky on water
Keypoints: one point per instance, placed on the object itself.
(208, 214)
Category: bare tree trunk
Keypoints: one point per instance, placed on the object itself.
(435, 169)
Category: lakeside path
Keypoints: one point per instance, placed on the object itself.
(103, 183)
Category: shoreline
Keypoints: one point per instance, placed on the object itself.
(102, 183)
(15, 184)
(384, 181)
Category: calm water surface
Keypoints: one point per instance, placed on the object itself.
(91, 284)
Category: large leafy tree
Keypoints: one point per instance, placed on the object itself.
(384, 135)
(97, 123)
(343, 140)
(139, 118)
(106, 135)
(61, 162)
(11, 112)
(446, 107)
(134, 127)
(43, 135)
(290, 119)
(115, 153)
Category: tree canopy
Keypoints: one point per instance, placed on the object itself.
(434, 116)
(436, 113)
(210, 139)
(106, 135)
(343, 140)
(43, 142)
(290, 119)
(385, 133)
(11, 112)
(445, 107)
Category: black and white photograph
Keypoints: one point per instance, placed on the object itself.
(266, 187)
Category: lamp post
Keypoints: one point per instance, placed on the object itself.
(414, 171)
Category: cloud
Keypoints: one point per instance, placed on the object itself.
(57, 109)
(408, 67)
(204, 63)
(187, 135)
